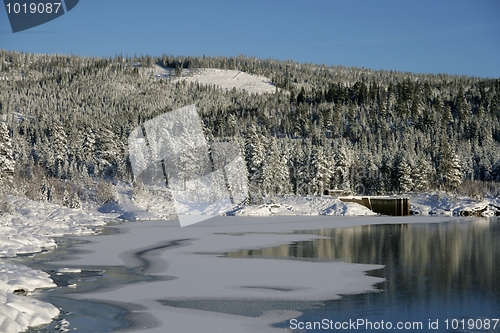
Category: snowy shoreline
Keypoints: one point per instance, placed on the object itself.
(17, 311)
(30, 228)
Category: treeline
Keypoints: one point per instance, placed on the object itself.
(326, 127)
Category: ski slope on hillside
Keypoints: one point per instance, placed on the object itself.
(229, 79)
(223, 78)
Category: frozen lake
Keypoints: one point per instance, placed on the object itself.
(163, 278)
(447, 271)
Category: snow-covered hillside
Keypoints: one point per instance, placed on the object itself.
(229, 79)
(225, 79)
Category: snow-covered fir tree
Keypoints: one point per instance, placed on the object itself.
(421, 174)
(255, 156)
(449, 167)
(7, 163)
(88, 149)
(320, 172)
(344, 160)
(59, 147)
(108, 151)
(276, 175)
(371, 177)
(303, 168)
(270, 165)
(404, 175)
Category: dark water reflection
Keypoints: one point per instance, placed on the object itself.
(433, 271)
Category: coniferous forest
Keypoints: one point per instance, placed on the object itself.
(66, 122)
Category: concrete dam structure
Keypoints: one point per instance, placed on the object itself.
(382, 205)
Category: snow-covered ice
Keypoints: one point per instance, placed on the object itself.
(192, 256)
(65, 270)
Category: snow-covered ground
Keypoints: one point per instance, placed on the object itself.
(32, 225)
(429, 204)
(229, 79)
(443, 204)
(17, 311)
(29, 229)
(150, 207)
(223, 78)
(308, 205)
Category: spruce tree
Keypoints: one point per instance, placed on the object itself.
(269, 168)
(255, 155)
(404, 174)
(320, 174)
(449, 167)
(7, 163)
(421, 174)
(59, 147)
(343, 161)
(88, 157)
(302, 170)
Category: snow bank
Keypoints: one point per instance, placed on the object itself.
(443, 204)
(155, 204)
(280, 205)
(32, 224)
(308, 205)
(27, 230)
(22, 278)
(229, 79)
(125, 208)
(18, 312)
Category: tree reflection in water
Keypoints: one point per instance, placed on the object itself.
(450, 267)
